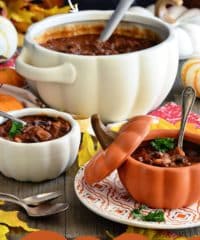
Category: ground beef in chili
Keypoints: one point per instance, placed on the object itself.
(88, 44)
(38, 129)
(173, 158)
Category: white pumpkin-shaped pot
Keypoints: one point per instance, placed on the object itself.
(115, 86)
(185, 23)
(41, 160)
(8, 38)
(190, 74)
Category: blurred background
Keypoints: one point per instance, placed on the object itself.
(110, 4)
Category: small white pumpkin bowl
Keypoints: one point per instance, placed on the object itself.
(40, 161)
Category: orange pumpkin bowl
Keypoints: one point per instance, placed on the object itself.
(160, 187)
(154, 186)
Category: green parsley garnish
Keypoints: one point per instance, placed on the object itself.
(163, 144)
(154, 216)
(15, 129)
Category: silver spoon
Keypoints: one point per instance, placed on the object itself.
(116, 17)
(43, 210)
(188, 99)
(34, 200)
(12, 118)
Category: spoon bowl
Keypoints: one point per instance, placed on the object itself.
(46, 209)
(38, 199)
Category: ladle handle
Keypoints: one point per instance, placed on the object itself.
(188, 99)
(113, 22)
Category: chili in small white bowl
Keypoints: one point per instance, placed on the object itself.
(44, 159)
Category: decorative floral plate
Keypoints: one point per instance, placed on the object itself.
(110, 200)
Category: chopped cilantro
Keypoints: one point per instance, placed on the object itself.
(16, 128)
(153, 216)
(163, 144)
(156, 216)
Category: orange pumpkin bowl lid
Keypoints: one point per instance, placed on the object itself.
(127, 140)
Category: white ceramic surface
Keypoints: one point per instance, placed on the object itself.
(39, 161)
(116, 86)
(110, 200)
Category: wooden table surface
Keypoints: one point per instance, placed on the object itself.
(78, 220)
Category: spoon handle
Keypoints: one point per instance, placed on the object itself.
(116, 17)
(12, 200)
(188, 99)
(9, 195)
(9, 116)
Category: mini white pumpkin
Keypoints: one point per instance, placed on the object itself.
(8, 38)
(190, 74)
(185, 22)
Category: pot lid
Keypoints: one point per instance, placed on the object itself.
(127, 140)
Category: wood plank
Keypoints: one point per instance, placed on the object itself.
(54, 223)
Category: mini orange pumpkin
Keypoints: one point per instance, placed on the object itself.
(11, 77)
(157, 187)
(131, 236)
(87, 238)
(9, 103)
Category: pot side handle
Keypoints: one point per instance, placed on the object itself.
(64, 73)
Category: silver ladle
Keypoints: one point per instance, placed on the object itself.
(188, 99)
(12, 118)
(115, 19)
(34, 200)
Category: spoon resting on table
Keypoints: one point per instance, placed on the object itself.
(34, 200)
(42, 210)
(115, 19)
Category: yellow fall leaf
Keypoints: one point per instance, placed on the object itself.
(160, 123)
(27, 12)
(87, 150)
(10, 218)
(48, 12)
(3, 231)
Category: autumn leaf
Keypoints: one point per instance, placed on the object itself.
(3, 231)
(10, 218)
(24, 13)
(88, 149)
